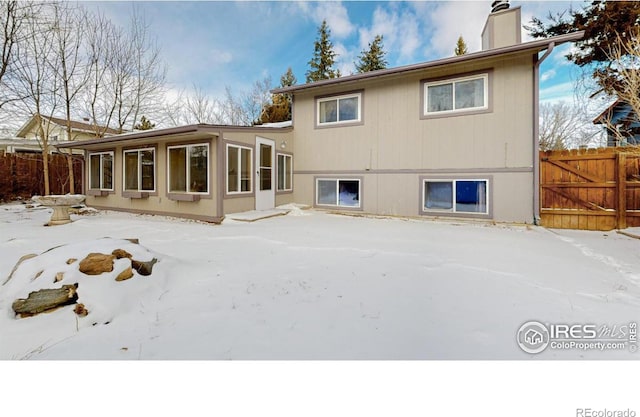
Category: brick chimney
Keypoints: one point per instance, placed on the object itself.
(503, 27)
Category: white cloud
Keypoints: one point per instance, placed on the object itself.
(334, 13)
(450, 20)
(345, 59)
(400, 30)
(559, 92)
(547, 75)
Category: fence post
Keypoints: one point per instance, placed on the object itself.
(621, 190)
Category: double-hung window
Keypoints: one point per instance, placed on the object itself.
(285, 173)
(139, 170)
(338, 192)
(189, 168)
(239, 169)
(456, 95)
(456, 196)
(101, 171)
(341, 109)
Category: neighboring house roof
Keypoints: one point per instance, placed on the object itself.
(188, 130)
(533, 46)
(24, 144)
(618, 112)
(75, 125)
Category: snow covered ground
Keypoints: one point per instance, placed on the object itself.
(313, 285)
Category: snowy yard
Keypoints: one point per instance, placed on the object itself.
(313, 285)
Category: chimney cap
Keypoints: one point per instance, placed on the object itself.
(499, 5)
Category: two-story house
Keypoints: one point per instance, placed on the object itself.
(27, 138)
(452, 137)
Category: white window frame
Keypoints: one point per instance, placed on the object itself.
(337, 180)
(124, 170)
(454, 182)
(337, 99)
(113, 162)
(453, 81)
(286, 174)
(188, 179)
(239, 183)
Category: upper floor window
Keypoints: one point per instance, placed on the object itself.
(101, 171)
(456, 95)
(339, 109)
(139, 170)
(189, 169)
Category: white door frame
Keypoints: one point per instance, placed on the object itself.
(265, 188)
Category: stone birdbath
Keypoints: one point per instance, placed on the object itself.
(60, 205)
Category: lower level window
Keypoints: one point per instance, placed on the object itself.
(189, 169)
(338, 192)
(101, 171)
(284, 172)
(456, 196)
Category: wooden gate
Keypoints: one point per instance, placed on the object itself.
(595, 189)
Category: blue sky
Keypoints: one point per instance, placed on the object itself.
(214, 44)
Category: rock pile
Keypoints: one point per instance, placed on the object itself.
(94, 264)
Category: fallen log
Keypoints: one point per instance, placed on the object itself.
(45, 300)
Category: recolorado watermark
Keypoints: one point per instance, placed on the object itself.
(535, 337)
(590, 412)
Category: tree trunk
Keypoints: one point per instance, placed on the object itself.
(72, 180)
(45, 300)
(45, 169)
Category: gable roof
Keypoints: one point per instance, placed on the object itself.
(75, 125)
(533, 47)
(618, 112)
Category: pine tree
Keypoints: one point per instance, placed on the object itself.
(280, 108)
(321, 65)
(372, 59)
(608, 25)
(461, 46)
(144, 124)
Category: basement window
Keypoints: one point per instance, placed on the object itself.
(338, 192)
(456, 196)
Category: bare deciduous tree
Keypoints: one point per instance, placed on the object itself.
(255, 100)
(563, 126)
(69, 63)
(13, 18)
(127, 73)
(624, 56)
(34, 83)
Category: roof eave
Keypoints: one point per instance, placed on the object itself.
(162, 133)
(521, 47)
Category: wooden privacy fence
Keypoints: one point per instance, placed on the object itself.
(22, 175)
(594, 189)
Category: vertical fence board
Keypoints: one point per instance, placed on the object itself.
(22, 175)
(590, 189)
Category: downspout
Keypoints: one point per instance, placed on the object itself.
(536, 134)
(220, 176)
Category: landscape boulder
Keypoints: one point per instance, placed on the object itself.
(125, 275)
(45, 300)
(143, 268)
(97, 263)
